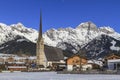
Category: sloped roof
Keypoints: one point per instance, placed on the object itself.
(53, 53)
(112, 56)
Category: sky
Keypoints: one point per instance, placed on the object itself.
(60, 13)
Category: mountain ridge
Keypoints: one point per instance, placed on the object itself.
(68, 39)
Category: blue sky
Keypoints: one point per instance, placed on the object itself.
(61, 13)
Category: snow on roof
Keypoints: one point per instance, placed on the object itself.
(114, 61)
(20, 62)
(17, 67)
(32, 57)
(17, 62)
(18, 58)
(5, 56)
(95, 62)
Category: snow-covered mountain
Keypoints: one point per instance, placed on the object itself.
(102, 46)
(8, 33)
(68, 39)
(74, 38)
(19, 45)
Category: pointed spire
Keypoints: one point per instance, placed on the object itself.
(40, 29)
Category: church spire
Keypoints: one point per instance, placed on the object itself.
(40, 29)
(41, 57)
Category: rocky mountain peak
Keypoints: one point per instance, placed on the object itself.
(85, 25)
(107, 30)
(2, 24)
(70, 39)
(19, 27)
(9, 32)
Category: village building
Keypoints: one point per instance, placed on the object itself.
(15, 63)
(47, 56)
(76, 63)
(95, 64)
(17, 66)
(113, 62)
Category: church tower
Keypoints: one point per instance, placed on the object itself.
(41, 58)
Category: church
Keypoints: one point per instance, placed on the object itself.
(47, 56)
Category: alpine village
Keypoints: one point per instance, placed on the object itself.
(54, 59)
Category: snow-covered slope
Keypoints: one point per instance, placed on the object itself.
(71, 39)
(8, 33)
(102, 46)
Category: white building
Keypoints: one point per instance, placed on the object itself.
(114, 64)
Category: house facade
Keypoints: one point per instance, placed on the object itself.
(113, 62)
(76, 63)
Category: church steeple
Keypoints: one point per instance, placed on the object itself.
(40, 29)
(41, 57)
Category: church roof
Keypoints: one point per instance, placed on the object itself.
(53, 53)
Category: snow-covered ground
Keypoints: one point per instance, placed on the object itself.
(54, 76)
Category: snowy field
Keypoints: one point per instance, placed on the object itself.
(54, 76)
